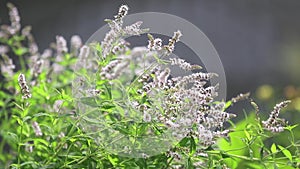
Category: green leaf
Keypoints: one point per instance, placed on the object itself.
(225, 155)
(189, 164)
(91, 101)
(20, 122)
(42, 114)
(228, 104)
(183, 142)
(192, 146)
(273, 148)
(20, 51)
(122, 129)
(261, 153)
(247, 135)
(286, 152)
(26, 118)
(13, 137)
(27, 163)
(113, 160)
(107, 105)
(290, 128)
(142, 129)
(91, 120)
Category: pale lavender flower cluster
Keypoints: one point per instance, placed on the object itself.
(42, 61)
(114, 36)
(29, 147)
(274, 123)
(57, 105)
(37, 61)
(171, 45)
(61, 136)
(185, 104)
(154, 44)
(76, 44)
(3, 49)
(106, 71)
(6, 31)
(37, 129)
(183, 64)
(240, 97)
(61, 47)
(14, 18)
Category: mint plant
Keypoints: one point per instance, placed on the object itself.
(106, 105)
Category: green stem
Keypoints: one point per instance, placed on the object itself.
(22, 63)
(19, 146)
(234, 156)
(168, 164)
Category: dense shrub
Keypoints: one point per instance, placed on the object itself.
(42, 121)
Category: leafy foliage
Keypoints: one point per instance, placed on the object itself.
(44, 130)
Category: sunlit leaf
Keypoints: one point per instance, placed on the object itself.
(291, 127)
(286, 152)
(273, 148)
(228, 104)
(20, 51)
(247, 135)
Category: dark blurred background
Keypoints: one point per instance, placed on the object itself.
(258, 41)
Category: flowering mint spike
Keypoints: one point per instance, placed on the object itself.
(61, 45)
(14, 19)
(183, 64)
(171, 45)
(240, 97)
(76, 44)
(84, 52)
(37, 129)
(274, 123)
(24, 88)
(154, 44)
(123, 11)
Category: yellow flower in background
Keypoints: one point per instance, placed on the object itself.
(264, 92)
(297, 103)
